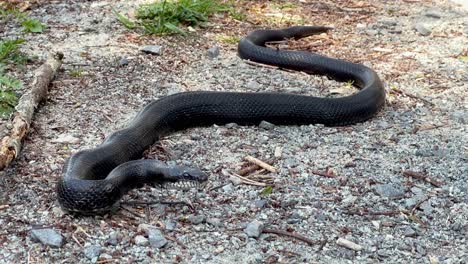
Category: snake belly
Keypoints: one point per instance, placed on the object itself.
(93, 180)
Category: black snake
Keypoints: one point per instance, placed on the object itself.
(94, 180)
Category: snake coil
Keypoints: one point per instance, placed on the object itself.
(94, 180)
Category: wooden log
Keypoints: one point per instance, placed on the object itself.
(11, 144)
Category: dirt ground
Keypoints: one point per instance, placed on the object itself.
(332, 183)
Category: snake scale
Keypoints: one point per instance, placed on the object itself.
(94, 180)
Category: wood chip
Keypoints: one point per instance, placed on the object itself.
(348, 244)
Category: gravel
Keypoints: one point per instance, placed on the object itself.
(365, 199)
(48, 237)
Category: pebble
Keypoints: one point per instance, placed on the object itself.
(92, 251)
(170, 225)
(123, 62)
(228, 188)
(433, 14)
(152, 49)
(348, 244)
(67, 139)
(197, 219)
(213, 52)
(216, 222)
(389, 190)
(254, 229)
(409, 232)
(422, 29)
(48, 237)
(156, 238)
(266, 125)
(260, 203)
(253, 85)
(141, 240)
(114, 238)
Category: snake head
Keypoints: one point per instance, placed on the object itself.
(192, 174)
(183, 177)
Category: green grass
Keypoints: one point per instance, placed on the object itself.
(172, 17)
(29, 24)
(32, 25)
(9, 53)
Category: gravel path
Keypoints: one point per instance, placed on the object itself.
(348, 189)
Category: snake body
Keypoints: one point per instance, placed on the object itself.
(94, 180)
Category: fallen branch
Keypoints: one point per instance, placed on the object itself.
(260, 163)
(11, 144)
(291, 234)
(420, 176)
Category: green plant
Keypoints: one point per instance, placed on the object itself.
(8, 97)
(168, 17)
(9, 50)
(32, 25)
(76, 72)
(125, 20)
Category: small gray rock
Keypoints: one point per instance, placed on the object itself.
(260, 203)
(433, 14)
(152, 49)
(228, 188)
(197, 219)
(372, 32)
(231, 125)
(388, 22)
(141, 240)
(123, 62)
(254, 229)
(389, 190)
(92, 251)
(266, 125)
(460, 116)
(114, 238)
(409, 232)
(170, 225)
(422, 29)
(216, 222)
(253, 85)
(213, 52)
(156, 238)
(47, 237)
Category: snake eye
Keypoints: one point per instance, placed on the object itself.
(186, 175)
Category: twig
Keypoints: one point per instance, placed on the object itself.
(398, 91)
(324, 174)
(248, 169)
(260, 163)
(249, 181)
(22, 118)
(76, 240)
(416, 206)
(420, 176)
(291, 234)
